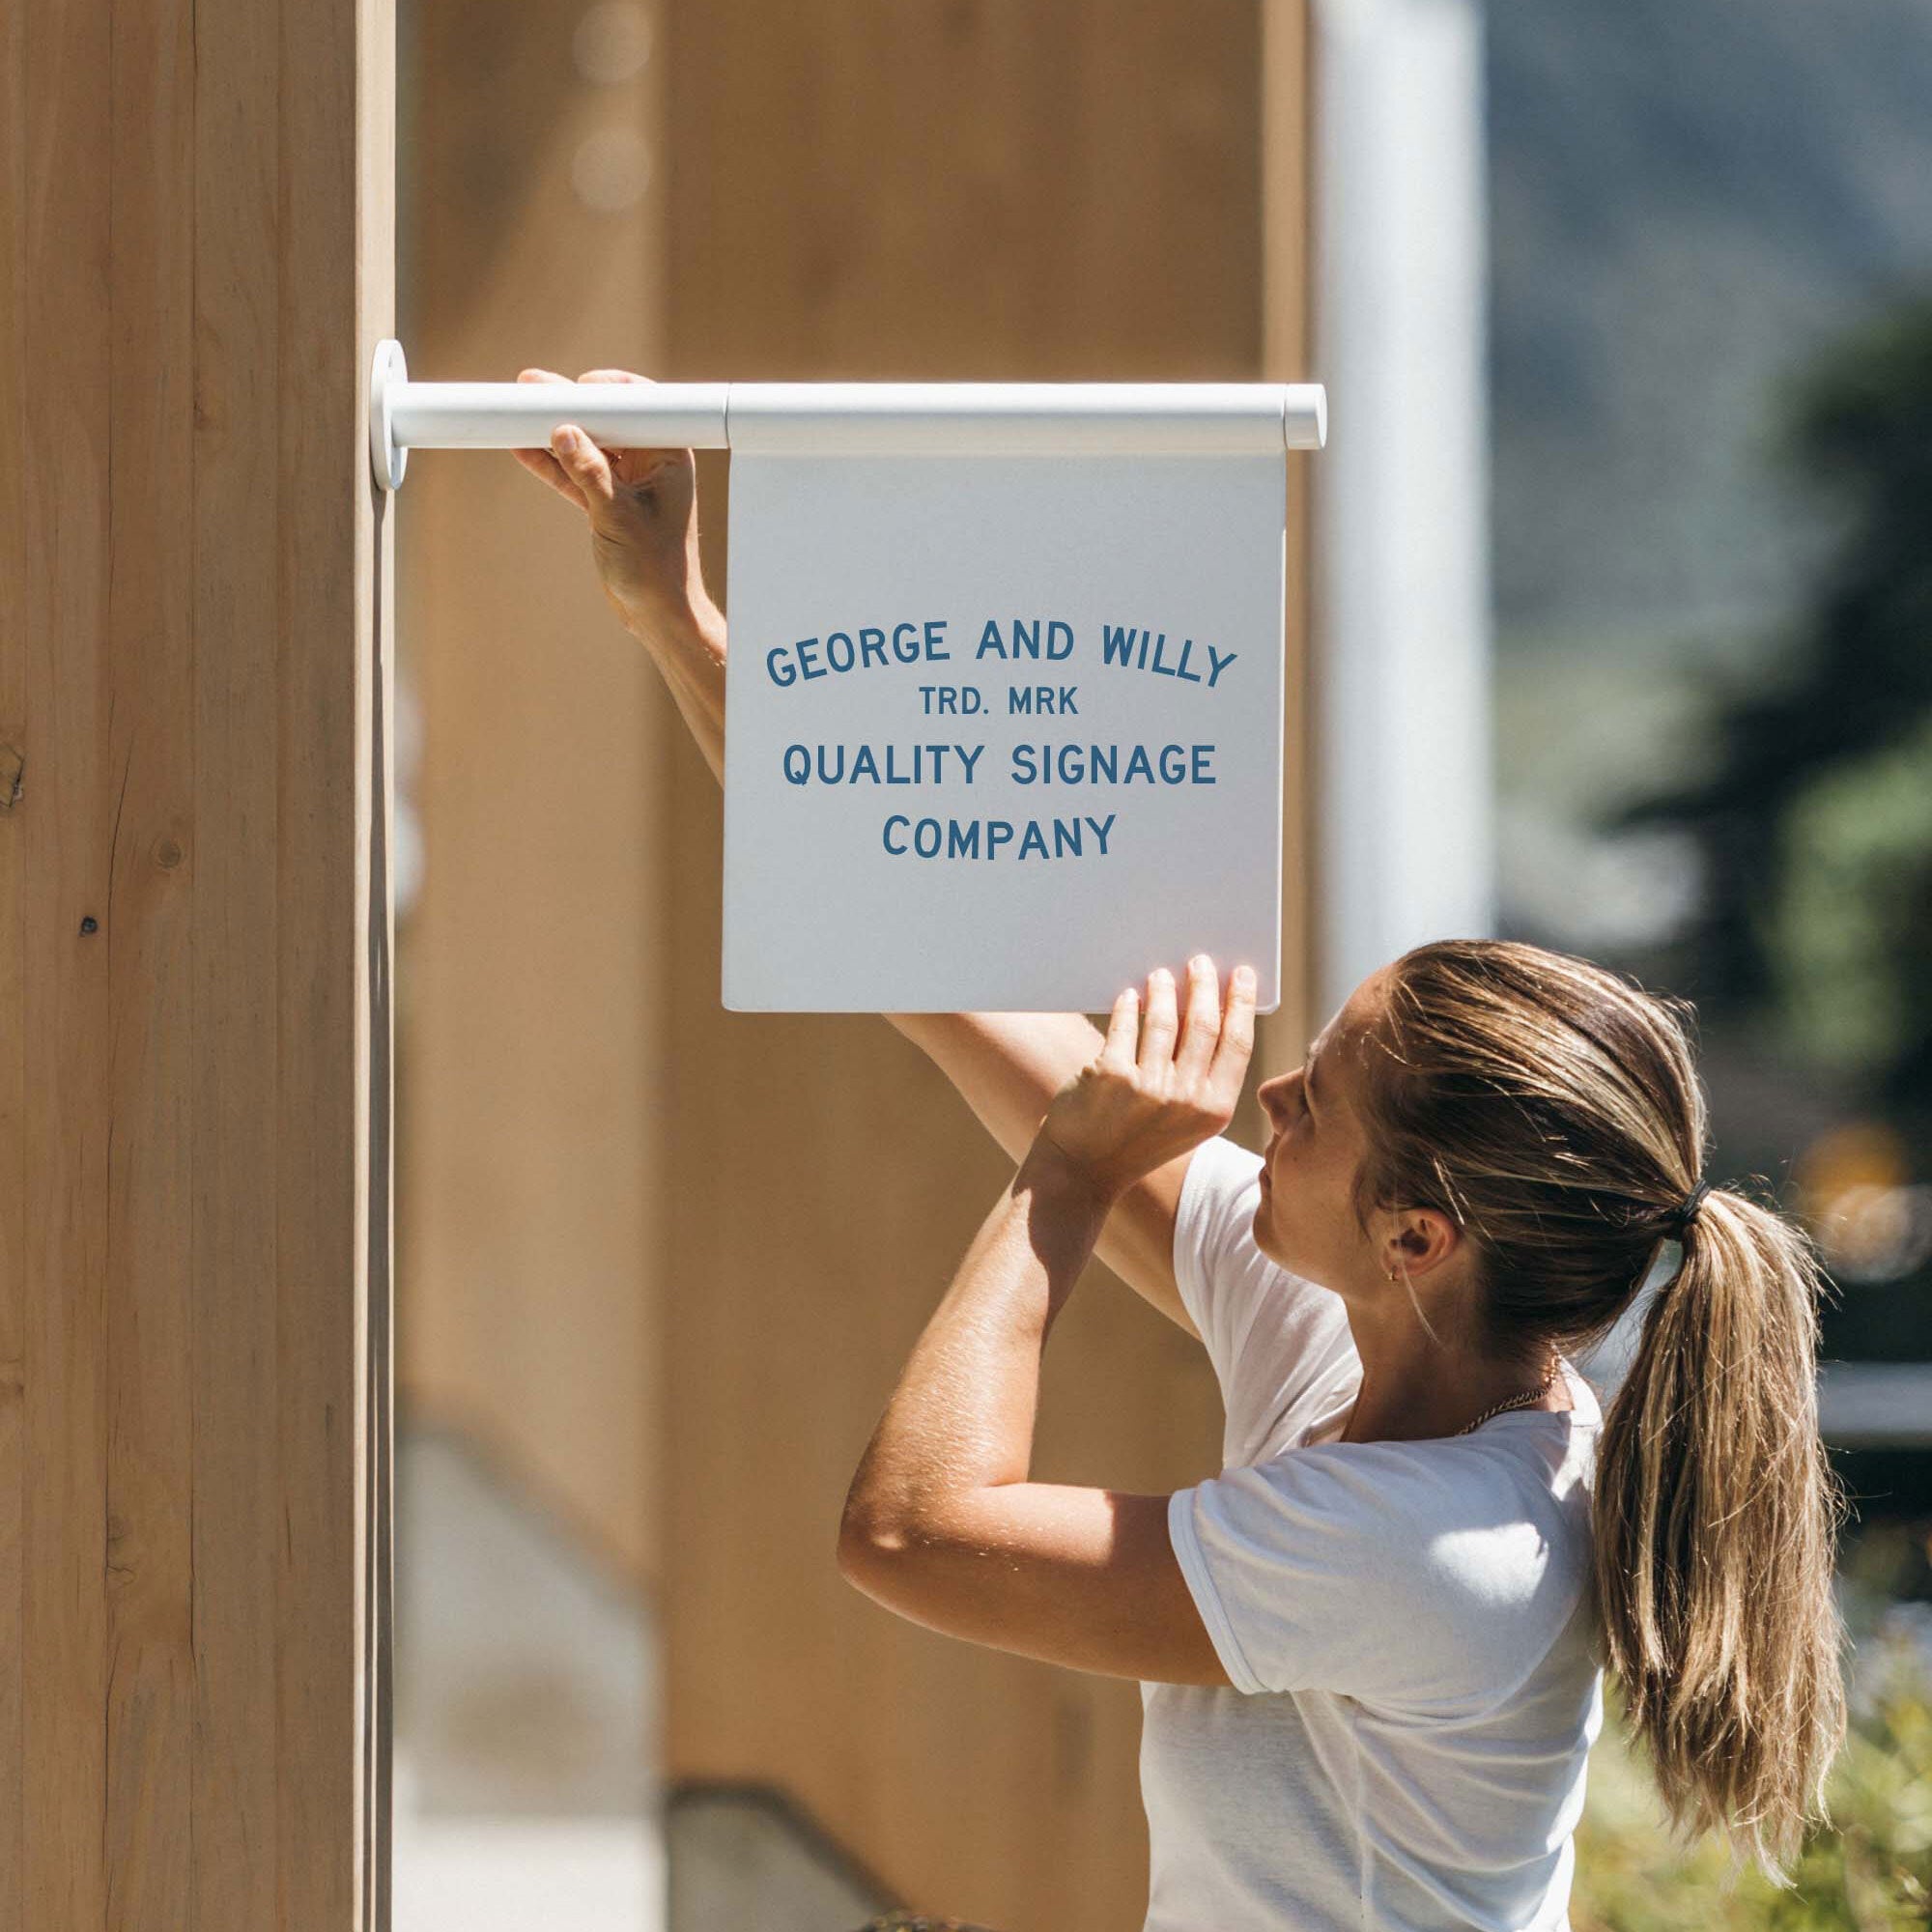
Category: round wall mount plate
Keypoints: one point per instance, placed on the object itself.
(384, 456)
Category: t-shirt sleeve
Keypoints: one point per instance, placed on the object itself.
(1272, 1336)
(1410, 1579)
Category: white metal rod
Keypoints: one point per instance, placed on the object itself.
(521, 416)
(1021, 419)
(965, 418)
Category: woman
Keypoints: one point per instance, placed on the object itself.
(1369, 1650)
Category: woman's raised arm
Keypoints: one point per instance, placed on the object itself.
(641, 509)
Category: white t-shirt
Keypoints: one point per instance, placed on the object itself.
(1407, 1627)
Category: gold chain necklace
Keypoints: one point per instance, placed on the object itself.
(1515, 1400)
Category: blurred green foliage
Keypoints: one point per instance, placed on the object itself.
(1870, 1871)
(1849, 926)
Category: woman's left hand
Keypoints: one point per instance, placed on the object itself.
(1160, 1085)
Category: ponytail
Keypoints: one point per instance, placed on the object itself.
(1552, 1109)
(1715, 1514)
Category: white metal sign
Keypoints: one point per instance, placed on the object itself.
(1001, 732)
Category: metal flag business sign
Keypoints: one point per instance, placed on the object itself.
(1005, 685)
(1003, 704)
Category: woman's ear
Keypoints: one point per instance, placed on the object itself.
(1423, 1239)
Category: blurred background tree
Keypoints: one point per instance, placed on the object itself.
(1815, 809)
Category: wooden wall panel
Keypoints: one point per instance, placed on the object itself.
(534, 960)
(195, 220)
(1287, 310)
(990, 190)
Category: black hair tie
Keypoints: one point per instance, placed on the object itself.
(1686, 1211)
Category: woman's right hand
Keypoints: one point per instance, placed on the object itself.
(641, 507)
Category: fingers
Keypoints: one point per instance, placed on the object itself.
(587, 467)
(575, 464)
(640, 469)
(1121, 1027)
(1238, 1034)
(1157, 1035)
(1203, 1021)
(540, 463)
(550, 464)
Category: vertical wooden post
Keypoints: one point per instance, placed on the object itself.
(195, 264)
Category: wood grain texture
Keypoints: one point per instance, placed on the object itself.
(973, 191)
(195, 214)
(14, 607)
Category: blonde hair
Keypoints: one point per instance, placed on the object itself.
(1553, 1110)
